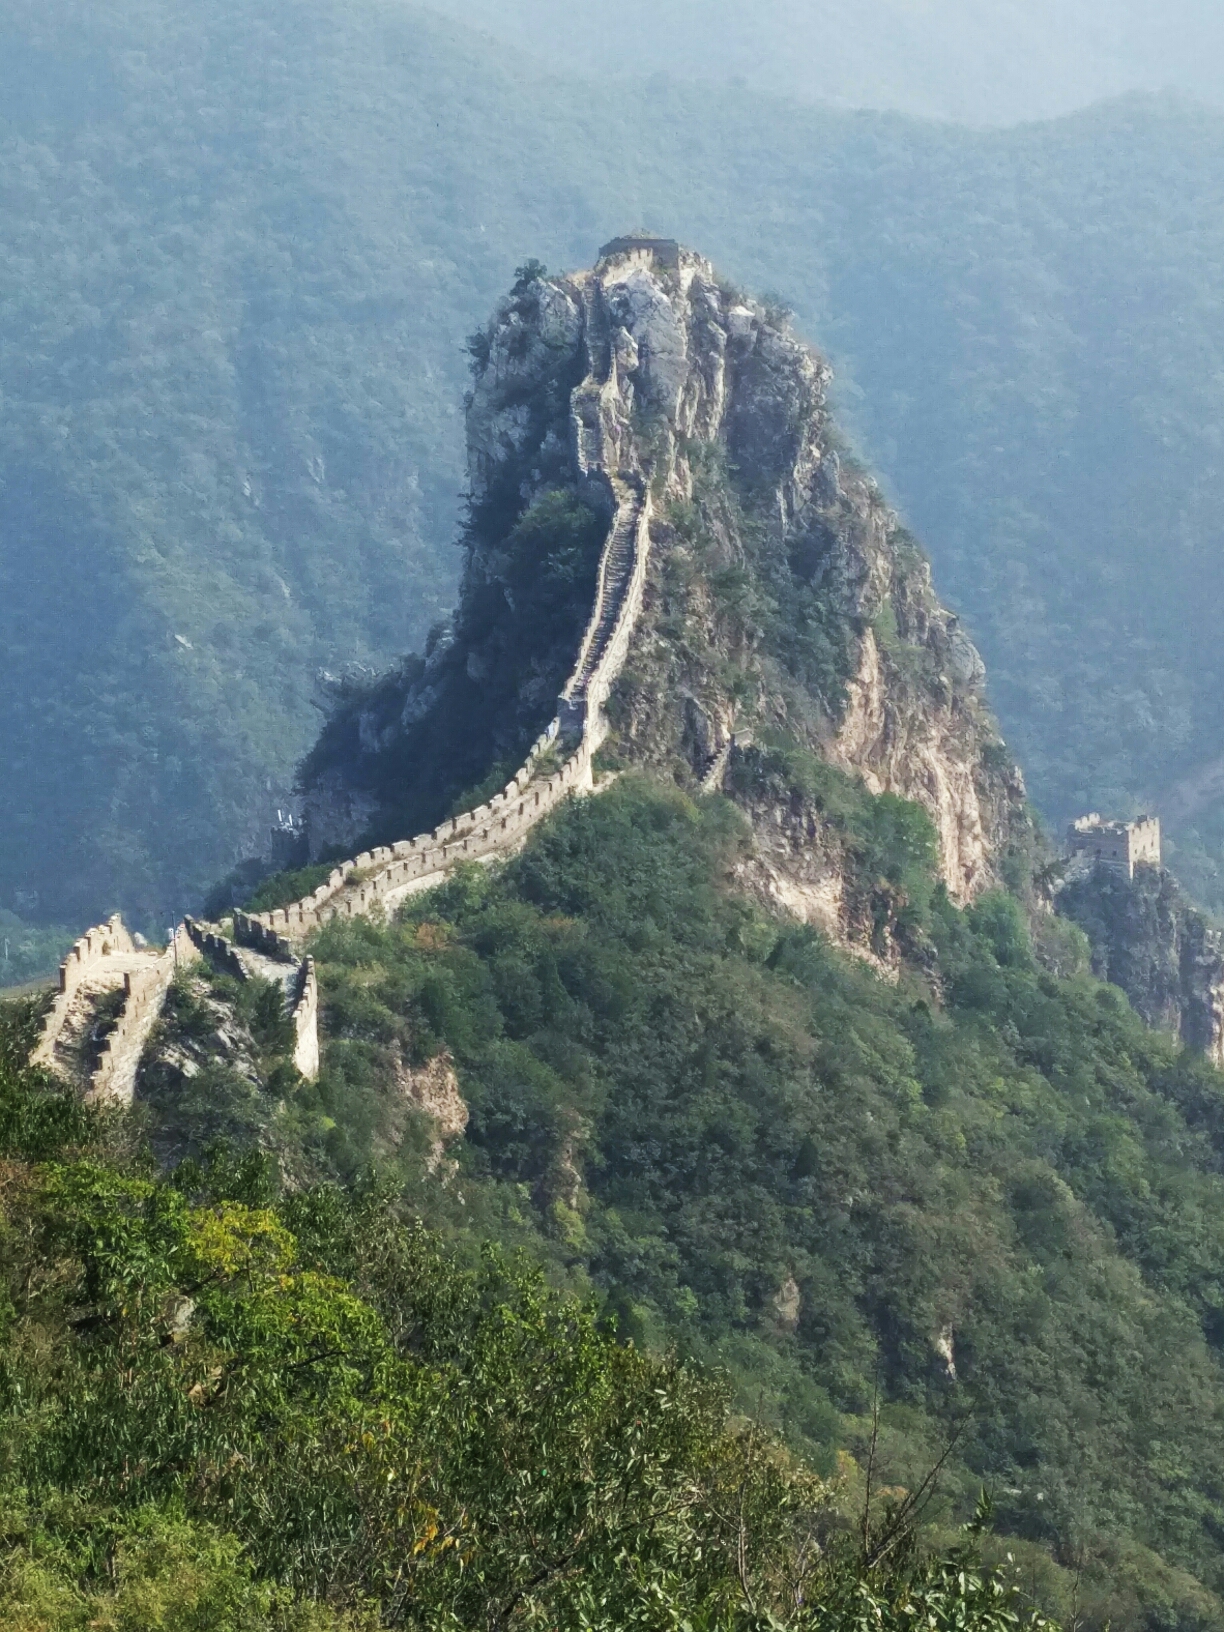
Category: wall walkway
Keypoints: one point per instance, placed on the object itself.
(106, 959)
(558, 765)
(379, 880)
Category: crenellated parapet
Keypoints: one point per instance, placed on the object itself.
(378, 880)
(87, 958)
(270, 956)
(106, 959)
(304, 1012)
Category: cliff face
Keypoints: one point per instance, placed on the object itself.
(787, 620)
(1148, 939)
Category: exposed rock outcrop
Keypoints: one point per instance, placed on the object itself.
(433, 1090)
(652, 458)
(1148, 939)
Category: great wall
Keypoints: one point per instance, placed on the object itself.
(603, 450)
(667, 360)
(99, 1048)
(82, 1040)
(107, 959)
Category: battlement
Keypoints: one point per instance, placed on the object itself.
(106, 958)
(1122, 846)
(664, 250)
(379, 880)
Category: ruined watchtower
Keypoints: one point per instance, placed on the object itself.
(1122, 846)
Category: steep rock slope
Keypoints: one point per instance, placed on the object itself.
(245, 244)
(1148, 939)
(789, 621)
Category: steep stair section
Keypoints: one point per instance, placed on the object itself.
(716, 768)
(378, 880)
(111, 992)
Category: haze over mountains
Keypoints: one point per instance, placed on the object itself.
(246, 243)
(989, 62)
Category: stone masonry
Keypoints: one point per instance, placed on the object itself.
(1122, 846)
(605, 452)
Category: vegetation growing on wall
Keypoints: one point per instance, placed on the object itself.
(443, 729)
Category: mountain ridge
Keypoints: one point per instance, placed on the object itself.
(321, 265)
(854, 659)
(943, 1197)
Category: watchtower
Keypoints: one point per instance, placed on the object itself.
(1122, 846)
(642, 245)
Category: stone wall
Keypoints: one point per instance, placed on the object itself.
(378, 880)
(215, 948)
(301, 993)
(305, 1015)
(83, 959)
(144, 990)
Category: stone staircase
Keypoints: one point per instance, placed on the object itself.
(716, 768)
(82, 1039)
(379, 880)
(615, 572)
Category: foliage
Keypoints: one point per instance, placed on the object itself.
(219, 1413)
(27, 951)
(989, 1191)
(218, 1066)
(284, 888)
(271, 471)
(487, 697)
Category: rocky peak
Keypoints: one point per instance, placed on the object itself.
(1147, 938)
(786, 609)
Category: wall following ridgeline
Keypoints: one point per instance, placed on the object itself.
(107, 959)
(305, 1015)
(85, 958)
(144, 995)
(378, 880)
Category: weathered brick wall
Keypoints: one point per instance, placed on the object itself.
(302, 997)
(145, 991)
(305, 1014)
(83, 959)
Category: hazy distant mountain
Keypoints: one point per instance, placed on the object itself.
(244, 244)
(980, 61)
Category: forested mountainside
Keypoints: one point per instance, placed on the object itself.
(245, 246)
(230, 1410)
(646, 422)
(775, 1075)
(669, 1235)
